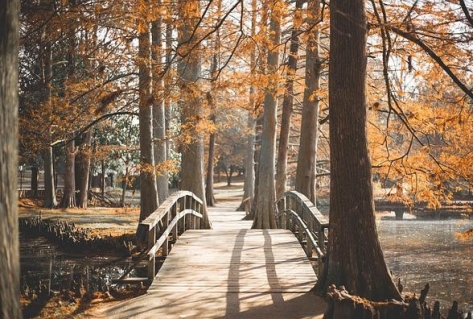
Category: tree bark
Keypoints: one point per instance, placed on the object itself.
(189, 73)
(306, 167)
(50, 200)
(69, 192)
(148, 190)
(159, 116)
(9, 237)
(265, 196)
(84, 162)
(210, 199)
(287, 105)
(355, 259)
(249, 162)
(34, 180)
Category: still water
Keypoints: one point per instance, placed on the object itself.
(428, 251)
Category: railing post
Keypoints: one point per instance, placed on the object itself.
(166, 222)
(201, 211)
(174, 213)
(322, 246)
(195, 208)
(182, 206)
(289, 206)
(151, 260)
(309, 244)
(281, 212)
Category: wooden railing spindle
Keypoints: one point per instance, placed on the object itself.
(298, 214)
(182, 209)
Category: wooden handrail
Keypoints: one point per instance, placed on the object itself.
(298, 214)
(180, 211)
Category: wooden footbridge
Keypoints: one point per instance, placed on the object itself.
(230, 271)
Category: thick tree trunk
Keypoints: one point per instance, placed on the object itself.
(355, 259)
(69, 191)
(84, 161)
(306, 168)
(148, 190)
(287, 105)
(249, 162)
(249, 177)
(159, 114)
(265, 196)
(9, 238)
(189, 73)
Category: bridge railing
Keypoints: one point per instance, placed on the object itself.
(180, 211)
(298, 214)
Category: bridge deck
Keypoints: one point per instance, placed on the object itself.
(230, 273)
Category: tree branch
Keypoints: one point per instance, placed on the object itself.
(413, 38)
(466, 11)
(94, 122)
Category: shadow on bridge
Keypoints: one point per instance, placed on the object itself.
(229, 272)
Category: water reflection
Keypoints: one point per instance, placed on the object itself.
(43, 266)
(428, 251)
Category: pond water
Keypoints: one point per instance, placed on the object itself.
(428, 251)
(42, 263)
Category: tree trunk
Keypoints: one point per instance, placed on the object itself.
(249, 162)
(306, 168)
(249, 177)
(210, 199)
(355, 259)
(9, 238)
(189, 73)
(265, 196)
(102, 178)
(84, 165)
(148, 190)
(159, 116)
(124, 186)
(69, 192)
(34, 180)
(287, 105)
(50, 200)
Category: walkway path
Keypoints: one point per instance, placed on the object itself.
(229, 272)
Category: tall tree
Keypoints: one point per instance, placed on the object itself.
(211, 99)
(159, 114)
(355, 258)
(265, 196)
(249, 163)
(148, 190)
(189, 73)
(50, 200)
(306, 170)
(69, 190)
(287, 105)
(9, 237)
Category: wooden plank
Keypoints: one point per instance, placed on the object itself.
(236, 261)
(230, 272)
